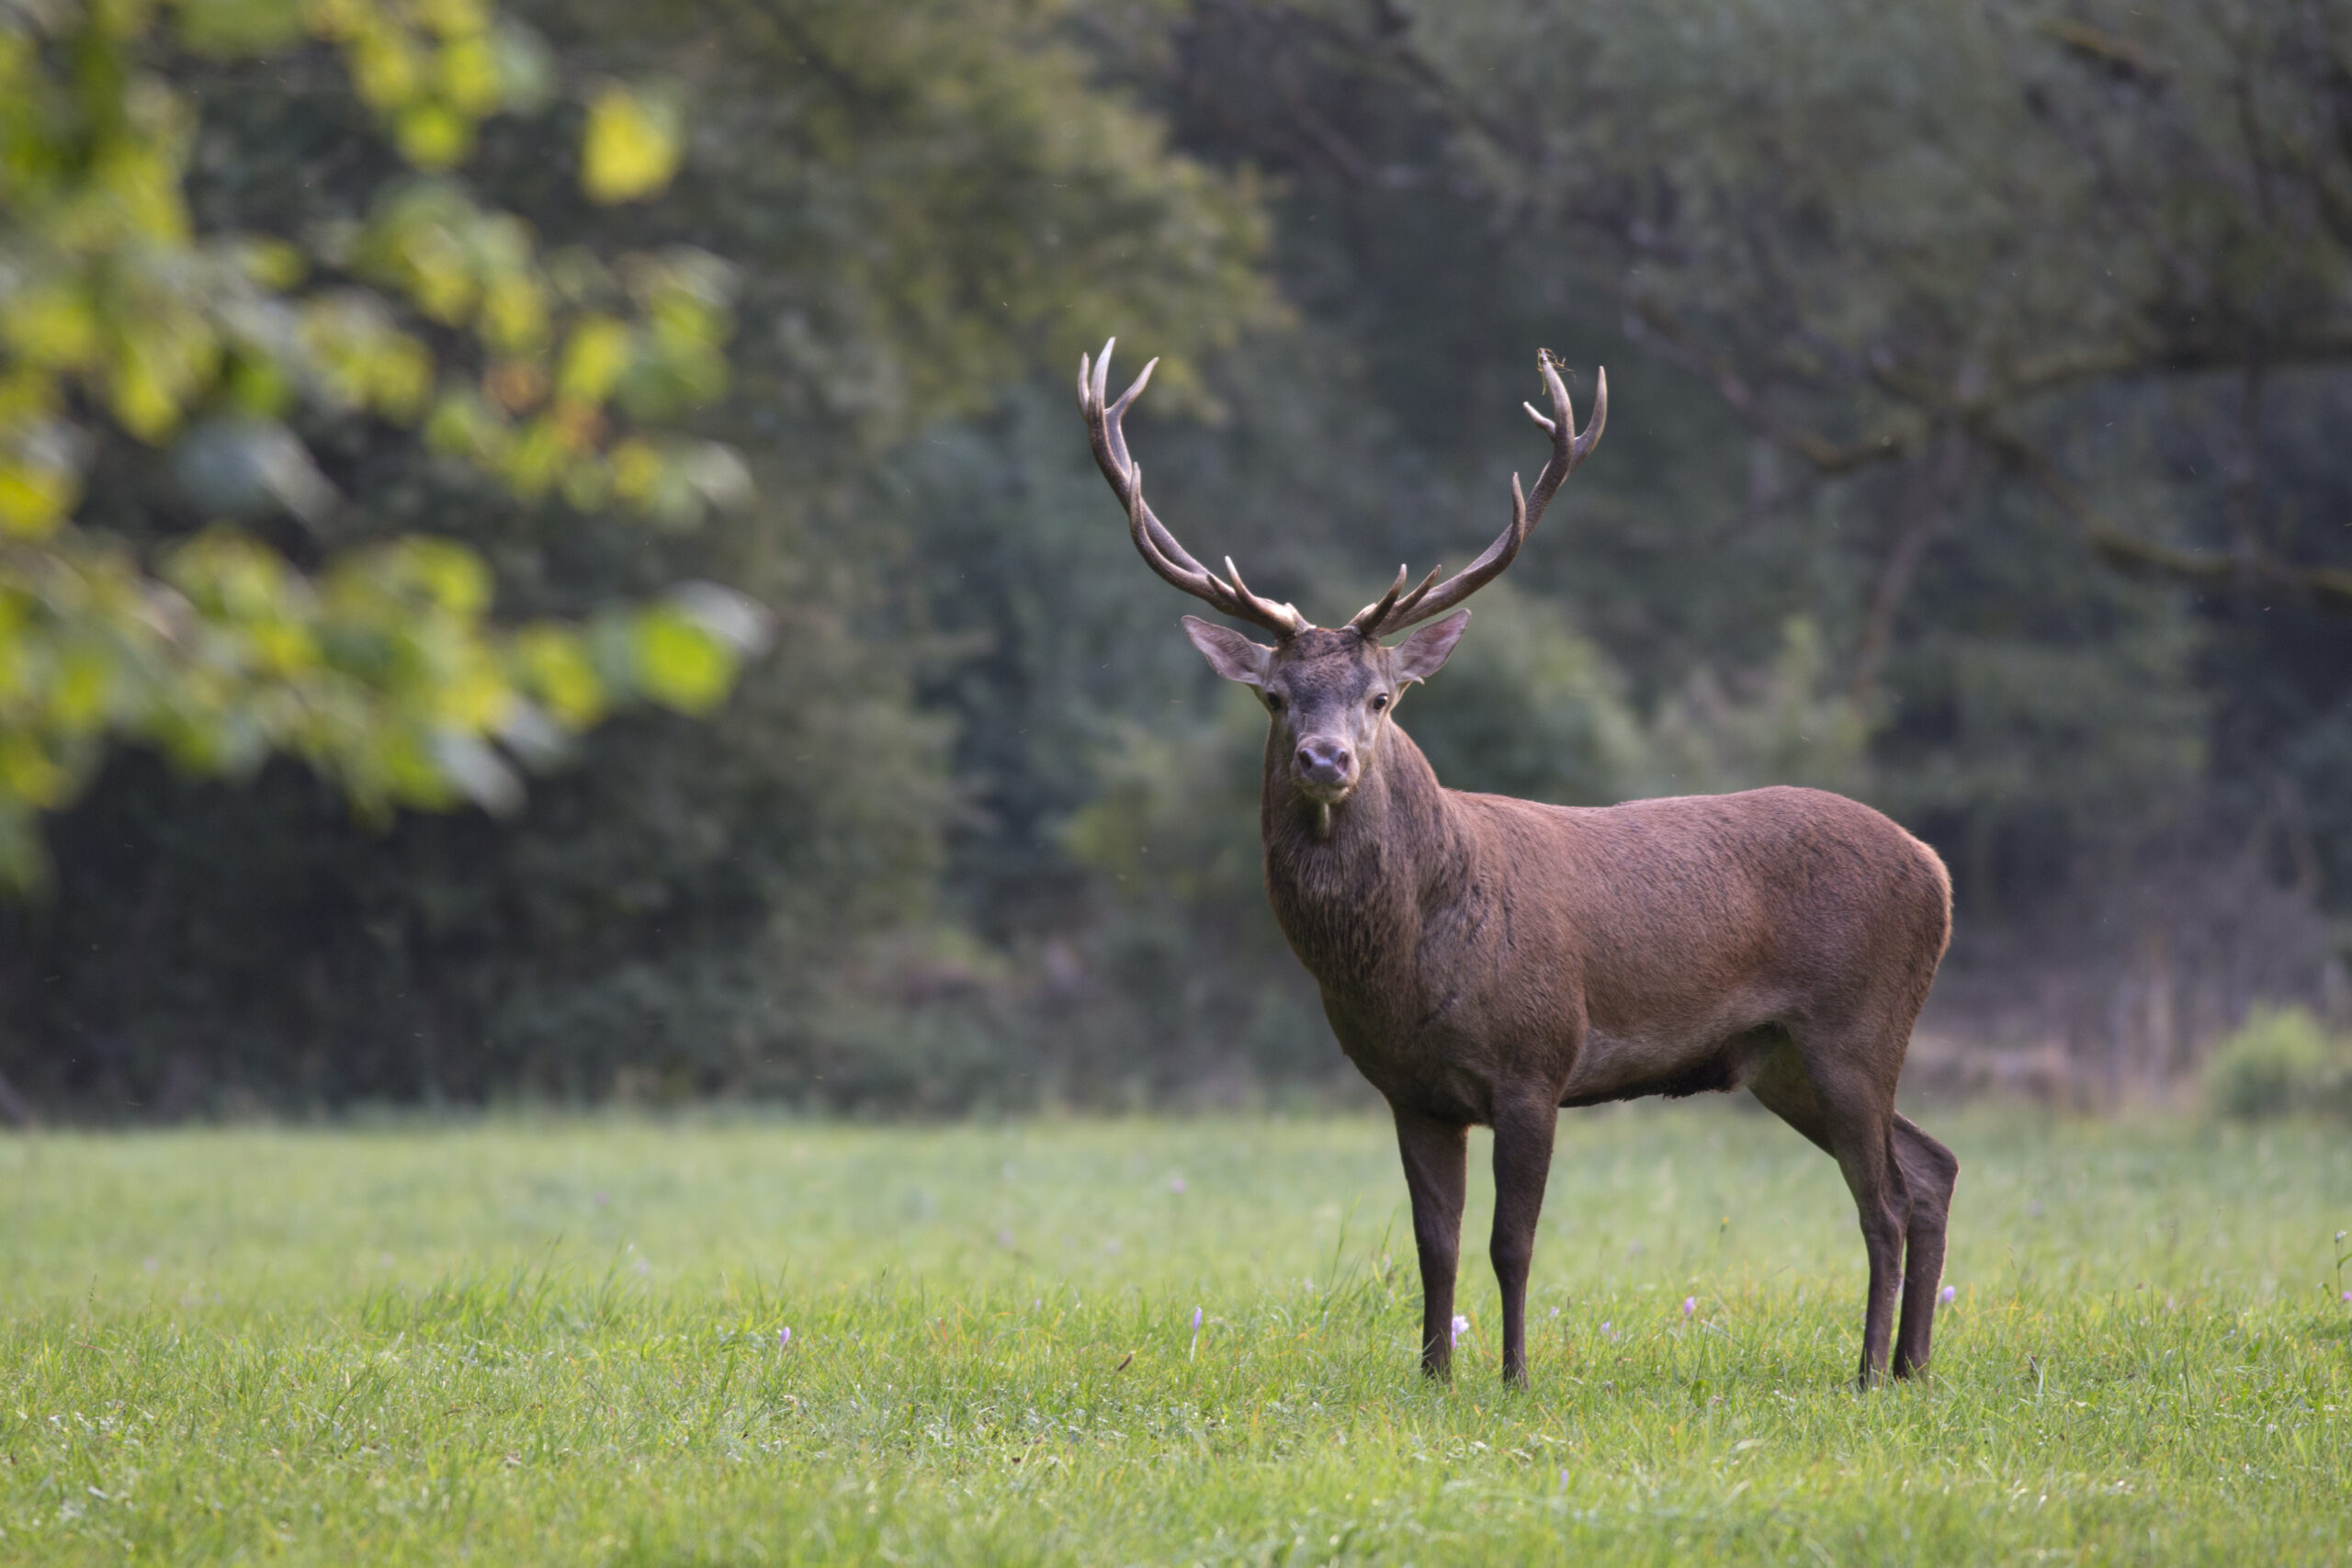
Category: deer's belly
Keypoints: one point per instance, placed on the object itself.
(1715, 1061)
(1449, 1062)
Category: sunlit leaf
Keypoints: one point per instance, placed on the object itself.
(273, 264)
(536, 460)
(56, 324)
(432, 133)
(142, 401)
(552, 664)
(34, 500)
(637, 470)
(29, 773)
(679, 662)
(258, 386)
(463, 425)
(598, 353)
(514, 312)
(238, 26)
(400, 378)
(469, 75)
(632, 145)
(384, 66)
(453, 18)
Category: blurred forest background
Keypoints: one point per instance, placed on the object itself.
(550, 554)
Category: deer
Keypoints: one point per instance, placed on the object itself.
(1485, 961)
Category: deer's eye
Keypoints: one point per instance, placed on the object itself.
(1273, 701)
(1380, 703)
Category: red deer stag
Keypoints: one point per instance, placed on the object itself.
(1489, 960)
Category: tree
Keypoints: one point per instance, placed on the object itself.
(918, 203)
(129, 333)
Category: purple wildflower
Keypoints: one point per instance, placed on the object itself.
(1461, 1327)
(1196, 1350)
(1690, 1305)
(1948, 1294)
(783, 1338)
(1176, 1184)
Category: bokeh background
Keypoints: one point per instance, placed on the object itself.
(548, 556)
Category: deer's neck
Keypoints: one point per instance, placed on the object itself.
(1351, 893)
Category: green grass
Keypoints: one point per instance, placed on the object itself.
(556, 1341)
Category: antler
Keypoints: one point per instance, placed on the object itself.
(1153, 541)
(1397, 609)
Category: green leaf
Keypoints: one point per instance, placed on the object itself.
(632, 146)
(679, 663)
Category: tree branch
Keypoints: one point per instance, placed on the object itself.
(1684, 345)
(2330, 587)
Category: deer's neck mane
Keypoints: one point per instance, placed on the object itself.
(1351, 896)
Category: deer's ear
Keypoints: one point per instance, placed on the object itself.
(1424, 653)
(1229, 653)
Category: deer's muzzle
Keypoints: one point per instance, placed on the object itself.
(1325, 767)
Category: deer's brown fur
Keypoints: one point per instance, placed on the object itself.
(1485, 961)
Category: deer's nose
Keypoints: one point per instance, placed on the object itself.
(1324, 760)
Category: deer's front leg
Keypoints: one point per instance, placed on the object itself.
(1524, 1129)
(1437, 1173)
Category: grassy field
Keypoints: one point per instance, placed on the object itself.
(558, 1342)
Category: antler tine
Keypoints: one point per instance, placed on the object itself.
(1569, 449)
(1366, 622)
(1158, 546)
(1265, 611)
(1420, 590)
(1370, 613)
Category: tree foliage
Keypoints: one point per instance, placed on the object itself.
(124, 320)
(914, 206)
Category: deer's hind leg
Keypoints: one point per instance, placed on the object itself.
(1524, 1127)
(1824, 1086)
(1929, 1173)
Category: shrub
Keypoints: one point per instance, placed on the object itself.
(2278, 1061)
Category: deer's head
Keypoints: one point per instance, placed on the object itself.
(1328, 693)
